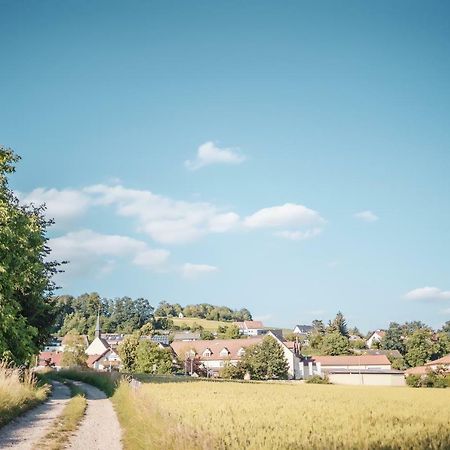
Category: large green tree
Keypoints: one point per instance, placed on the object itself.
(26, 307)
(394, 339)
(420, 347)
(265, 361)
(152, 359)
(335, 343)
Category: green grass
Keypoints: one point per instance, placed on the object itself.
(18, 394)
(209, 325)
(67, 422)
(104, 381)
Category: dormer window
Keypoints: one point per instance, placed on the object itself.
(207, 352)
(241, 352)
(224, 352)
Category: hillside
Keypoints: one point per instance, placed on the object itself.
(210, 325)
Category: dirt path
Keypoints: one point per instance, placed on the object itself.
(100, 429)
(24, 431)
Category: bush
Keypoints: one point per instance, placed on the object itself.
(317, 379)
(414, 380)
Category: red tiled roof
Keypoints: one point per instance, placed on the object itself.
(352, 360)
(443, 360)
(53, 357)
(419, 370)
(253, 324)
(215, 346)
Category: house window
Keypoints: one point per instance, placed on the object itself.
(241, 352)
(207, 352)
(224, 352)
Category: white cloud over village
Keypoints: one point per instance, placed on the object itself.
(209, 153)
(193, 271)
(164, 220)
(366, 216)
(428, 293)
(88, 251)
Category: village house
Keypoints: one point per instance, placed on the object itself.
(443, 362)
(215, 354)
(186, 336)
(303, 330)
(366, 362)
(376, 336)
(251, 328)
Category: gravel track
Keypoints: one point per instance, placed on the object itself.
(100, 429)
(24, 431)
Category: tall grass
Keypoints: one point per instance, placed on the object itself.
(18, 392)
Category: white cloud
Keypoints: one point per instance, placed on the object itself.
(299, 235)
(165, 220)
(428, 293)
(192, 271)
(287, 215)
(62, 205)
(208, 153)
(366, 216)
(290, 215)
(88, 251)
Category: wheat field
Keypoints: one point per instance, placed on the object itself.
(226, 415)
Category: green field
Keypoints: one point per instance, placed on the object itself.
(210, 325)
(226, 415)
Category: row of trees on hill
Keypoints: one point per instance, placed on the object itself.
(126, 315)
(203, 311)
(26, 306)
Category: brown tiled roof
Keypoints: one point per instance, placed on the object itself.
(215, 346)
(419, 370)
(352, 360)
(54, 357)
(253, 324)
(443, 360)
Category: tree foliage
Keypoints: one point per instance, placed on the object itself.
(26, 308)
(393, 339)
(334, 343)
(203, 311)
(150, 358)
(74, 351)
(265, 361)
(420, 347)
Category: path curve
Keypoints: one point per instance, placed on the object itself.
(24, 431)
(100, 429)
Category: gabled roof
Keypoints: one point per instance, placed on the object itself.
(232, 345)
(54, 358)
(352, 360)
(444, 360)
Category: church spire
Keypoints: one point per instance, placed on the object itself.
(98, 331)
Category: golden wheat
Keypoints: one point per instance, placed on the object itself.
(206, 415)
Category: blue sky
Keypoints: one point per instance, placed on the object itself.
(316, 133)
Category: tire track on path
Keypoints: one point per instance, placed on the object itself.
(24, 431)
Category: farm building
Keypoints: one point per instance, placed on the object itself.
(251, 328)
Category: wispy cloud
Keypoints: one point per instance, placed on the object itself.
(193, 271)
(62, 205)
(366, 216)
(427, 293)
(91, 252)
(209, 153)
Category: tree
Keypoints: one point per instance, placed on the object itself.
(446, 327)
(229, 332)
(74, 351)
(232, 372)
(265, 361)
(393, 339)
(128, 352)
(27, 309)
(335, 343)
(152, 359)
(419, 347)
(338, 324)
(206, 335)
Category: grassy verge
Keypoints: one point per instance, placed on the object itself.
(104, 381)
(67, 422)
(18, 392)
